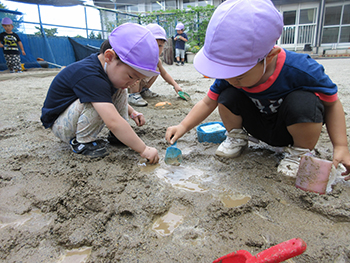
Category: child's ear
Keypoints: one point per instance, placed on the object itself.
(274, 52)
(109, 55)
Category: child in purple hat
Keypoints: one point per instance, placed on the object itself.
(91, 93)
(11, 43)
(143, 87)
(280, 97)
(180, 41)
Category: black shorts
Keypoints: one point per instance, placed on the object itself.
(297, 107)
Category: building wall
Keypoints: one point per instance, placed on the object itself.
(308, 23)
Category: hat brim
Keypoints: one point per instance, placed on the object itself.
(146, 72)
(160, 37)
(212, 69)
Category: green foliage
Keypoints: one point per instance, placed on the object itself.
(194, 47)
(48, 32)
(92, 35)
(195, 19)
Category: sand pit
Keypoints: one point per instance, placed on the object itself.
(56, 205)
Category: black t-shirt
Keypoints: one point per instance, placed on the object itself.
(10, 42)
(84, 80)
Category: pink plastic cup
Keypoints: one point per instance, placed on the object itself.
(313, 174)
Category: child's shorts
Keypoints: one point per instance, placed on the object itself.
(297, 107)
(180, 53)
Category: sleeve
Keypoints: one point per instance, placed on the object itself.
(319, 82)
(185, 36)
(218, 86)
(18, 38)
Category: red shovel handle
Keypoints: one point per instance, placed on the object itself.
(282, 251)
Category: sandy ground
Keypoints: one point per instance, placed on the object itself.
(57, 206)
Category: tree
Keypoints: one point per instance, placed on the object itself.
(48, 32)
(13, 17)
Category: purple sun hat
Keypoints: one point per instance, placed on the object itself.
(179, 26)
(157, 31)
(6, 21)
(240, 34)
(136, 46)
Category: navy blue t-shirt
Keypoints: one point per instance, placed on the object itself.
(180, 44)
(84, 80)
(294, 71)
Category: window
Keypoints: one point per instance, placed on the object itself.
(307, 16)
(186, 3)
(289, 17)
(345, 34)
(332, 16)
(156, 5)
(346, 15)
(330, 35)
(336, 24)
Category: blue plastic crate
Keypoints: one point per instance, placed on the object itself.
(213, 132)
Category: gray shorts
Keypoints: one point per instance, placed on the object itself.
(179, 53)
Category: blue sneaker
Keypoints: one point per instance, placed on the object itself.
(93, 149)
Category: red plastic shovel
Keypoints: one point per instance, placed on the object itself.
(275, 254)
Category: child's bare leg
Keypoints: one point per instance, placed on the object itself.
(305, 135)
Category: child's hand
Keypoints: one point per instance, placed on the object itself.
(342, 155)
(24, 53)
(174, 132)
(138, 118)
(151, 154)
(177, 88)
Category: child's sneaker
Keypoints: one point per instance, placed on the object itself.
(136, 99)
(182, 63)
(12, 71)
(19, 71)
(147, 93)
(234, 144)
(93, 149)
(289, 165)
(177, 63)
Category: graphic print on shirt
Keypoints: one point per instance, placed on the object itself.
(10, 43)
(267, 106)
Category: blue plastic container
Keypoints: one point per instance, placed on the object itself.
(213, 132)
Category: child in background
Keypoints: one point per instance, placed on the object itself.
(137, 99)
(10, 42)
(277, 96)
(180, 40)
(92, 92)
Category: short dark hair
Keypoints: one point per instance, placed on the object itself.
(104, 46)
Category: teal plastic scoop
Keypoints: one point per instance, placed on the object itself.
(184, 95)
(173, 155)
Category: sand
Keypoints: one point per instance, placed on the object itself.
(57, 206)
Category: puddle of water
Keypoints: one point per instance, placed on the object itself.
(32, 220)
(147, 167)
(167, 224)
(182, 177)
(80, 255)
(234, 200)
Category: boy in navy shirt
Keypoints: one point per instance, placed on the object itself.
(277, 96)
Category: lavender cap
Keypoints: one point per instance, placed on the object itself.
(179, 26)
(136, 46)
(6, 21)
(239, 35)
(157, 31)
